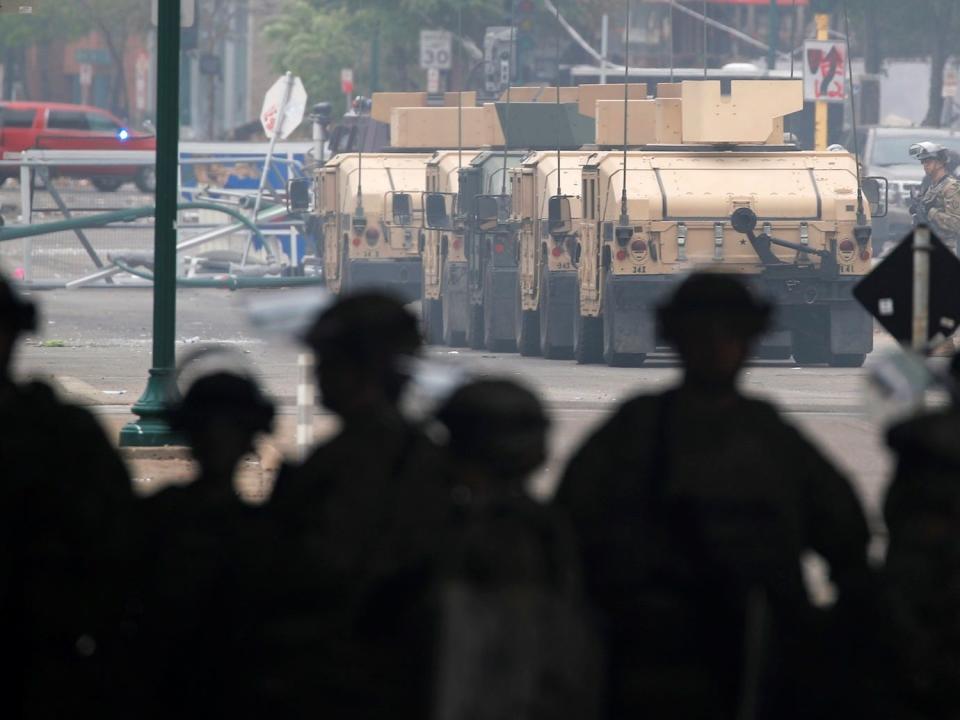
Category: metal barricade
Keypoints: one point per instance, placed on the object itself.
(213, 172)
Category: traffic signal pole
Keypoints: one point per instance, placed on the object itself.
(151, 429)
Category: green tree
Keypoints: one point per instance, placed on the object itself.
(894, 28)
(116, 20)
(316, 38)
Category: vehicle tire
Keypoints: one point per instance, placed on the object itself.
(772, 353)
(610, 355)
(475, 327)
(489, 342)
(432, 321)
(548, 349)
(811, 341)
(146, 180)
(587, 336)
(106, 183)
(528, 329)
(847, 360)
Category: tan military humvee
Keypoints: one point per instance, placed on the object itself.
(370, 208)
(444, 258)
(547, 275)
(710, 185)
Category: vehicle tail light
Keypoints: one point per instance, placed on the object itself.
(457, 243)
(499, 248)
(356, 241)
(372, 235)
(557, 251)
(621, 255)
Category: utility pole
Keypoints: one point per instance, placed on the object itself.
(151, 429)
(820, 122)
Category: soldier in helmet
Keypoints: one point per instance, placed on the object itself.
(64, 499)
(197, 547)
(693, 508)
(358, 524)
(939, 203)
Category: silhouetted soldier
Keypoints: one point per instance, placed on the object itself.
(199, 543)
(64, 499)
(693, 508)
(922, 513)
(357, 530)
(514, 642)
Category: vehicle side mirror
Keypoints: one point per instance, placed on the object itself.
(559, 216)
(877, 189)
(299, 191)
(402, 206)
(437, 213)
(488, 211)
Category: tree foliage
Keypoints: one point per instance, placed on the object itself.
(116, 20)
(316, 38)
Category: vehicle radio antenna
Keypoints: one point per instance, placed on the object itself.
(506, 130)
(624, 218)
(557, 8)
(358, 218)
(861, 216)
(671, 42)
(793, 36)
(460, 88)
(705, 17)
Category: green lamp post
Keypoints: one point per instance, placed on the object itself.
(151, 429)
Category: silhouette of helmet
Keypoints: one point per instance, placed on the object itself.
(928, 151)
(497, 424)
(16, 313)
(365, 327)
(712, 297)
(222, 394)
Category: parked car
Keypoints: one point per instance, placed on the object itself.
(885, 151)
(62, 126)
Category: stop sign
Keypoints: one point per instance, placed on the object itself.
(293, 111)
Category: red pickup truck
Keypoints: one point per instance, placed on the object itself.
(61, 126)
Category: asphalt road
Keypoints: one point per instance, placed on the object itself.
(97, 344)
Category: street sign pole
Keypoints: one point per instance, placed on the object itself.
(820, 111)
(921, 288)
(151, 429)
(278, 128)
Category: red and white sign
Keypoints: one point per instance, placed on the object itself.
(346, 81)
(293, 111)
(824, 71)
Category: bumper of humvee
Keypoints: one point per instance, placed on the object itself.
(500, 304)
(404, 277)
(803, 300)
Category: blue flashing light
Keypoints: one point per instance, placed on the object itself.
(123, 134)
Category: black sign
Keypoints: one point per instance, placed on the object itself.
(887, 291)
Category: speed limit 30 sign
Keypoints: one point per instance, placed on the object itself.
(436, 50)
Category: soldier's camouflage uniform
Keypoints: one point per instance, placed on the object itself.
(679, 506)
(941, 202)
